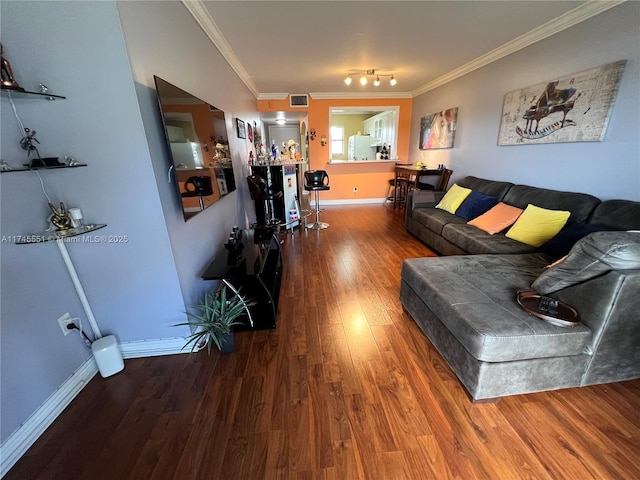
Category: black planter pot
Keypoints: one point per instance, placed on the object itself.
(227, 343)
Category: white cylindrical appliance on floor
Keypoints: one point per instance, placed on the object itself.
(107, 354)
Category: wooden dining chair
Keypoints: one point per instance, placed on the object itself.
(441, 185)
(400, 186)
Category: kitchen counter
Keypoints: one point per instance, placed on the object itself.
(349, 162)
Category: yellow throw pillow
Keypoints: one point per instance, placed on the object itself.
(497, 219)
(453, 198)
(537, 225)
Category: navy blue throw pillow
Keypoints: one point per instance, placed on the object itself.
(560, 245)
(475, 205)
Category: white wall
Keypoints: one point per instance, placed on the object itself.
(187, 59)
(77, 49)
(608, 169)
(109, 120)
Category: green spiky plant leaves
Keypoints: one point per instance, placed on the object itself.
(215, 317)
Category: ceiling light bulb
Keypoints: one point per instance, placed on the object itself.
(376, 82)
(347, 80)
(393, 81)
(281, 121)
(363, 80)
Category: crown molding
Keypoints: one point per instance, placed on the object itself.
(200, 14)
(567, 20)
(579, 14)
(356, 95)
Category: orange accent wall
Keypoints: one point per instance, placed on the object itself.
(371, 180)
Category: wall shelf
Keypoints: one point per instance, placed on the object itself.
(28, 169)
(55, 235)
(10, 92)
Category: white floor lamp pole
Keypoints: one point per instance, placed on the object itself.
(76, 283)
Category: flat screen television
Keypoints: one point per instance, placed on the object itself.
(196, 134)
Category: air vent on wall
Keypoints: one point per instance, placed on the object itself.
(299, 100)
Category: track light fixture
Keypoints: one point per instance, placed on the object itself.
(364, 74)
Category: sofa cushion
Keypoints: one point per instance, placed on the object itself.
(617, 215)
(453, 198)
(488, 187)
(475, 205)
(594, 255)
(537, 225)
(579, 204)
(497, 218)
(473, 240)
(474, 296)
(560, 245)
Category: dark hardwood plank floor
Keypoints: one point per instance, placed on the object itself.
(346, 387)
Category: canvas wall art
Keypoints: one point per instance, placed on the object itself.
(438, 130)
(575, 108)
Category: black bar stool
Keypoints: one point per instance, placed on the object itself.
(314, 181)
(198, 186)
(261, 193)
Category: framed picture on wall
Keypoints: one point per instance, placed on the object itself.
(573, 108)
(250, 132)
(257, 136)
(240, 126)
(438, 130)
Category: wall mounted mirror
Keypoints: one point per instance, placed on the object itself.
(196, 134)
(360, 133)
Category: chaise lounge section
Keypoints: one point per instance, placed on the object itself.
(466, 303)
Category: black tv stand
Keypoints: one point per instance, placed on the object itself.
(253, 267)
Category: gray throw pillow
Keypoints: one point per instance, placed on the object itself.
(592, 256)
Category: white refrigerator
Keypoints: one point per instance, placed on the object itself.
(360, 148)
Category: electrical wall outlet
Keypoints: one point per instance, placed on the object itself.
(65, 320)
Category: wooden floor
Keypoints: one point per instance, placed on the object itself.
(346, 387)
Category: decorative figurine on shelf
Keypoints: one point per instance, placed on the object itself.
(72, 162)
(26, 143)
(274, 150)
(251, 160)
(234, 246)
(60, 218)
(4, 166)
(8, 81)
(291, 149)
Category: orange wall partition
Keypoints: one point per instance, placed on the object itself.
(370, 179)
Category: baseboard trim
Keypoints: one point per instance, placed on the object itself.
(153, 348)
(16, 445)
(19, 441)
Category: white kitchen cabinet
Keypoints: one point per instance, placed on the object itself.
(381, 128)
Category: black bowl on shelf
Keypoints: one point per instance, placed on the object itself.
(44, 162)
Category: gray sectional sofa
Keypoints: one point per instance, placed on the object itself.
(465, 301)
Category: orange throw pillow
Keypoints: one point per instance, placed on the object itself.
(497, 219)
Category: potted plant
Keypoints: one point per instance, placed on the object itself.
(214, 321)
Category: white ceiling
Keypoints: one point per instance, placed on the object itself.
(282, 47)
